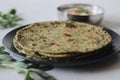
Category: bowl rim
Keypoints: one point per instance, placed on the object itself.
(63, 7)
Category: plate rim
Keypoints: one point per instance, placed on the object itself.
(49, 62)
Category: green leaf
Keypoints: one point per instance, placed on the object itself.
(5, 16)
(21, 66)
(27, 67)
(20, 70)
(2, 48)
(9, 19)
(12, 11)
(5, 57)
(42, 74)
(28, 77)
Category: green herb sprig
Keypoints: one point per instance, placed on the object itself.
(9, 19)
(6, 61)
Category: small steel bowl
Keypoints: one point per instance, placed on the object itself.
(95, 18)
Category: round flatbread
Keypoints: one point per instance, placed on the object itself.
(60, 38)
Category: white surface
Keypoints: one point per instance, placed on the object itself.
(45, 10)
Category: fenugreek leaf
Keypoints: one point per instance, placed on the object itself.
(43, 74)
(6, 61)
(28, 77)
(9, 19)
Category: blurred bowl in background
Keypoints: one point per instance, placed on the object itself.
(88, 13)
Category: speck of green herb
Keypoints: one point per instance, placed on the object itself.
(83, 10)
(82, 25)
(98, 41)
(87, 49)
(93, 28)
(6, 61)
(9, 19)
(70, 21)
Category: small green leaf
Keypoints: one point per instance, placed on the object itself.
(20, 70)
(9, 19)
(5, 57)
(28, 77)
(2, 48)
(42, 74)
(5, 16)
(12, 11)
(22, 64)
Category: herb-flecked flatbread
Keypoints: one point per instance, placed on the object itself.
(60, 39)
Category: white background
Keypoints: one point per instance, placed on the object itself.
(46, 10)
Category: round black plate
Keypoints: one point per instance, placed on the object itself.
(8, 44)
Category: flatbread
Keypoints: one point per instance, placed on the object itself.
(60, 39)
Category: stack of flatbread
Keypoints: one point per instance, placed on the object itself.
(60, 39)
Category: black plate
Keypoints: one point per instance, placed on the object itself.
(8, 44)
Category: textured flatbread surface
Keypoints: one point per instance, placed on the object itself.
(60, 39)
